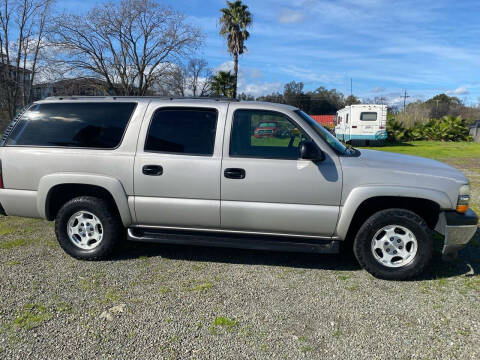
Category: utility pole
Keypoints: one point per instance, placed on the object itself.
(351, 86)
(436, 109)
(405, 96)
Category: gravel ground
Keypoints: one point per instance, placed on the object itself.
(173, 302)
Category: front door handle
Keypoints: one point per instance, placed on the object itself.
(152, 170)
(234, 173)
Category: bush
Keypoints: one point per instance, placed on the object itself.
(448, 128)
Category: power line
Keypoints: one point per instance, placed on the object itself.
(405, 96)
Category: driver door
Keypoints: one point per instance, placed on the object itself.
(266, 187)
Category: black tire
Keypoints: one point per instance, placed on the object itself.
(112, 227)
(363, 240)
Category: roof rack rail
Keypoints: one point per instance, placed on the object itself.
(81, 97)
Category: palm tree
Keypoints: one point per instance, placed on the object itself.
(223, 84)
(234, 22)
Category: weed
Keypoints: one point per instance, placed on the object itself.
(223, 322)
(5, 230)
(163, 290)
(31, 316)
(13, 263)
(464, 332)
(112, 296)
(306, 348)
(14, 243)
(202, 287)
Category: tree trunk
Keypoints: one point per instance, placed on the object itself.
(235, 71)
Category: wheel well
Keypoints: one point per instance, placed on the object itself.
(60, 194)
(428, 210)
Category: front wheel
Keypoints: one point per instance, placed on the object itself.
(394, 244)
(87, 228)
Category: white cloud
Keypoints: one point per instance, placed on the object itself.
(259, 89)
(226, 66)
(248, 80)
(290, 16)
(462, 90)
(378, 89)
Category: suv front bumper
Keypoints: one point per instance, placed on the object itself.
(458, 230)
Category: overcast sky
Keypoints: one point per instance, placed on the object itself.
(386, 46)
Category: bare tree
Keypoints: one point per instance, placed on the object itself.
(174, 82)
(194, 79)
(199, 75)
(130, 45)
(22, 34)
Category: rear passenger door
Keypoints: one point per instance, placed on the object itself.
(177, 166)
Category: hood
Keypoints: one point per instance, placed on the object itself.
(405, 165)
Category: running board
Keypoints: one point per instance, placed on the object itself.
(234, 240)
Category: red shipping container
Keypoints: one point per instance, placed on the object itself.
(326, 120)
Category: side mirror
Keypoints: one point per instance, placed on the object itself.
(310, 151)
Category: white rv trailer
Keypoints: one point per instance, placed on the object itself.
(362, 123)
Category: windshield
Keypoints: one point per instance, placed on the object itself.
(324, 133)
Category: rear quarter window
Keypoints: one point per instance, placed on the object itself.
(84, 125)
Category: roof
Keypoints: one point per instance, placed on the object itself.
(74, 97)
(171, 98)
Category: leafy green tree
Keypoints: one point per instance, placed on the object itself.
(273, 98)
(443, 105)
(352, 100)
(293, 95)
(223, 84)
(234, 22)
(325, 101)
(246, 97)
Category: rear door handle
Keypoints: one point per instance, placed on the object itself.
(234, 173)
(152, 170)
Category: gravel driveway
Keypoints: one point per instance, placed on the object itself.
(173, 302)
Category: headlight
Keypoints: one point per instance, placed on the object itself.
(463, 199)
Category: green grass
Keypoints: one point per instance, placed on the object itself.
(435, 149)
(202, 287)
(223, 322)
(274, 141)
(31, 316)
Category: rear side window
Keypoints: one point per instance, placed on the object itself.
(84, 125)
(188, 131)
(368, 116)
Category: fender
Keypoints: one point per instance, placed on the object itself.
(358, 195)
(112, 185)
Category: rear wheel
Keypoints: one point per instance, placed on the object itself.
(88, 228)
(394, 244)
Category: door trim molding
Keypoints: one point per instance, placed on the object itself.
(231, 231)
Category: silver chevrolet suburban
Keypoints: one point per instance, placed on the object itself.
(224, 173)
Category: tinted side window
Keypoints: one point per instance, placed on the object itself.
(265, 134)
(90, 125)
(189, 131)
